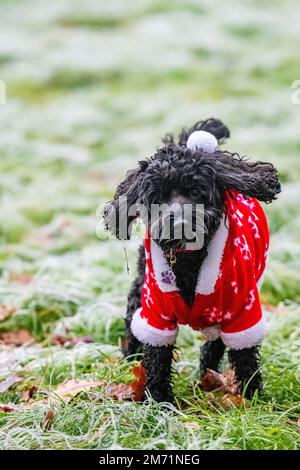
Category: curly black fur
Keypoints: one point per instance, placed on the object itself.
(246, 363)
(174, 168)
(211, 354)
(158, 363)
(133, 346)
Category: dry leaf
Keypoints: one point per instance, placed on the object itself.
(9, 382)
(58, 340)
(138, 385)
(212, 380)
(82, 339)
(298, 423)
(7, 408)
(16, 338)
(6, 311)
(21, 278)
(48, 420)
(191, 425)
(225, 383)
(233, 401)
(68, 390)
(120, 391)
(29, 393)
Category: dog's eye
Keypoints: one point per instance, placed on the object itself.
(195, 192)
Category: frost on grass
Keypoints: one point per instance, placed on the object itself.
(92, 91)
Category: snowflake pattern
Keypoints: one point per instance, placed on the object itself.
(235, 287)
(147, 289)
(228, 316)
(247, 202)
(254, 227)
(250, 300)
(244, 247)
(213, 315)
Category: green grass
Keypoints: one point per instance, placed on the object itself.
(91, 89)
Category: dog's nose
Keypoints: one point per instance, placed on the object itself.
(174, 227)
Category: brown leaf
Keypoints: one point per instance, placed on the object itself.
(29, 393)
(232, 401)
(48, 420)
(138, 385)
(120, 391)
(16, 338)
(191, 425)
(6, 311)
(70, 389)
(7, 408)
(59, 340)
(82, 339)
(21, 278)
(212, 381)
(225, 382)
(9, 382)
(298, 422)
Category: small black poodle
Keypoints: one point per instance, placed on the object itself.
(208, 276)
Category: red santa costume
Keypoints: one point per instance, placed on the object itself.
(227, 303)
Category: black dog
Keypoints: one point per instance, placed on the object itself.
(177, 173)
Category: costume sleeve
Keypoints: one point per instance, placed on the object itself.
(243, 323)
(153, 323)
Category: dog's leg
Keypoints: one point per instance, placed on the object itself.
(158, 364)
(211, 355)
(246, 363)
(133, 346)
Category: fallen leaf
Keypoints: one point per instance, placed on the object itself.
(16, 338)
(298, 422)
(120, 391)
(7, 408)
(29, 393)
(70, 389)
(191, 425)
(48, 420)
(138, 385)
(9, 382)
(21, 278)
(82, 339)
(212, 381)
(58, 340)
(232, 401)
(6, 311)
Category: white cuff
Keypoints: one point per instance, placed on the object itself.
(147, 334)
(247, 338)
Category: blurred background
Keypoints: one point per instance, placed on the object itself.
(91, 88)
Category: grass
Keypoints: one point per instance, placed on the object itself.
(91, 89)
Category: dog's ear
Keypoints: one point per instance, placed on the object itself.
(212, 125)
(254, 179)
(120, 213)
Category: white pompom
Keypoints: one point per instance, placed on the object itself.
(203, 141)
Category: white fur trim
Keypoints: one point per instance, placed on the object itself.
(147, 334)
(160, 265)
(211, 333)
(246, 338)
(210, 269)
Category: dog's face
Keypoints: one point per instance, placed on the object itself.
(182, 199)
(179, 193)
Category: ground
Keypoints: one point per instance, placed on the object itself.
(91, 87)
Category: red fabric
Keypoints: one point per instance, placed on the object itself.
(234, 303)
